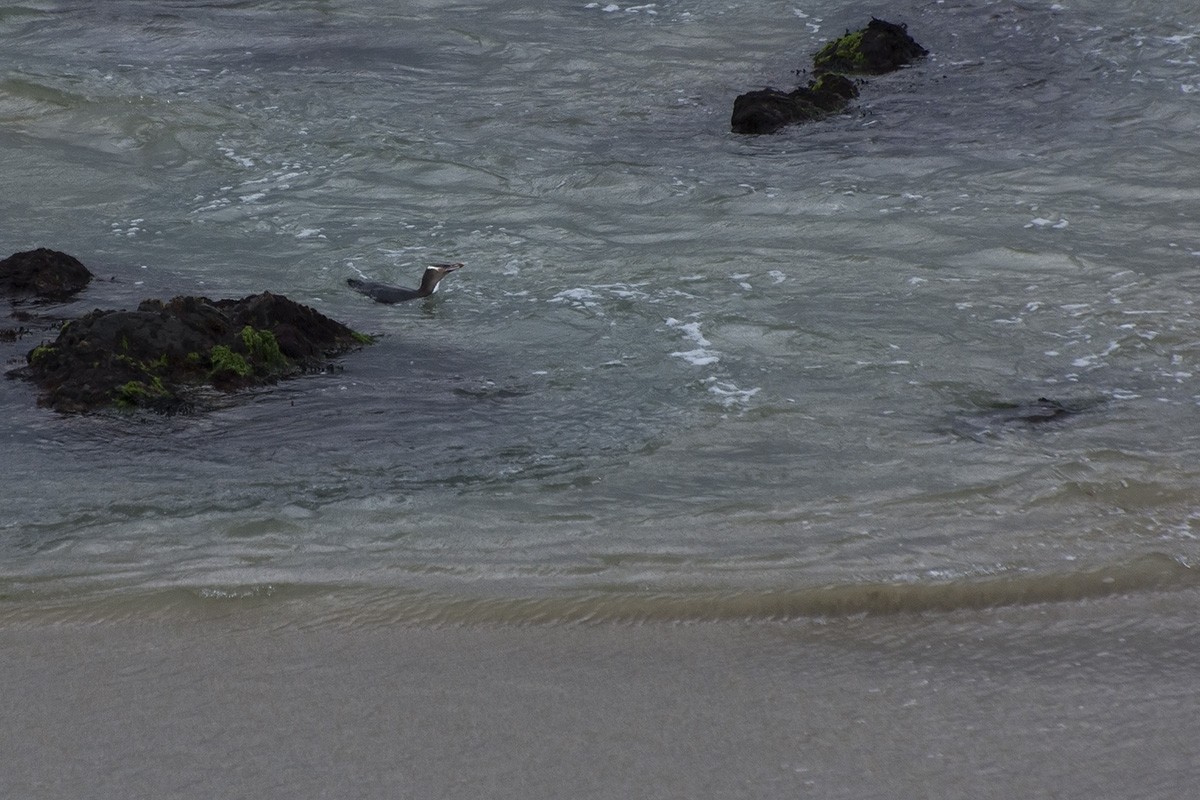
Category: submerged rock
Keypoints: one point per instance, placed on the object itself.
(878, 48)
(768, 110)
(998, 417)
(162, 355)
(43, 274)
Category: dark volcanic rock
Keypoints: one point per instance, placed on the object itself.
(768, 110)
(43, 274)
(304, 334)
(162, 354)
(878, 48)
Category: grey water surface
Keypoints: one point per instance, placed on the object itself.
(678, 360)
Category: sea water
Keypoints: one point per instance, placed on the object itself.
(685, 375)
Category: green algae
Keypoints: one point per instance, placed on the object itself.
(40, 352)
(844, 54)
(262, 356)
(224, 361)
(263, 349)
(139, 393)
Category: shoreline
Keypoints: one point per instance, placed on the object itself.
(674, 601)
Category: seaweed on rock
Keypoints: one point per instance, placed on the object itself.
(159, 356)
(880, 47)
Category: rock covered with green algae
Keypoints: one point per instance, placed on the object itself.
(878, 48)
(163, 355)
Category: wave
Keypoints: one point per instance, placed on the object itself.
(305, 606)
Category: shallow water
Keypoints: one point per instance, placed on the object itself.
(685, 375)
(677, 355)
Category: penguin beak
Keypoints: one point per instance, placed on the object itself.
(448, 267)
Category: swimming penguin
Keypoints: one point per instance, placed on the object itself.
(382, 293)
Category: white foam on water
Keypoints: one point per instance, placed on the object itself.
(132, 228)
(232, 155)
(742, 280)
(729, 394)
(626, 291)
(1095, 359)
(699, 356)
(689, 329)
(1043, 222)
(579, 297)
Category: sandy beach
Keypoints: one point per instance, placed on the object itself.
(1040, 701)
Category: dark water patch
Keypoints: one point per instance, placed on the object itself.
(992, 417)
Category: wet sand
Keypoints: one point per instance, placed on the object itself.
(1092, 699)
